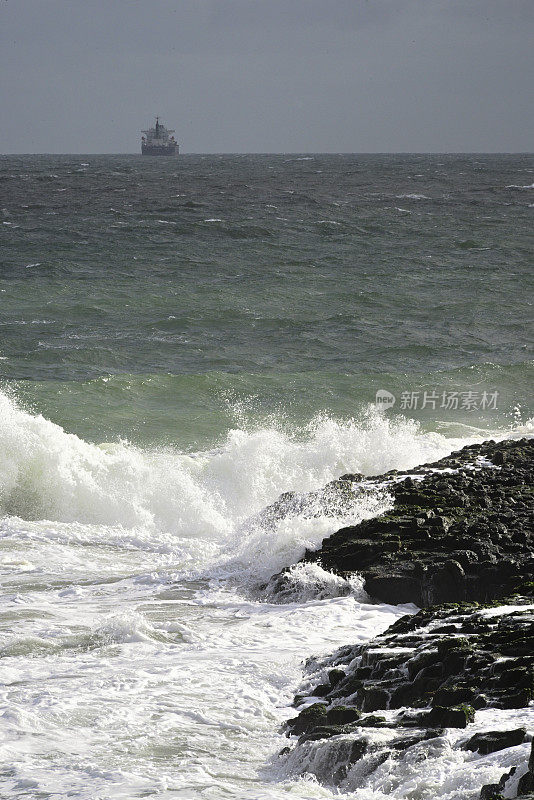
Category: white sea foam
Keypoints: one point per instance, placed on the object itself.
(130, 665)
(450, 773)
(412, 197)
(46, 473)
(501, 610)
(309, 581)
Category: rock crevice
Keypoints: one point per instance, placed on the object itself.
(459, 544)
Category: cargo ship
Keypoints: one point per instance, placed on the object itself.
(159, 141)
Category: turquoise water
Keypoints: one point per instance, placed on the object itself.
(148, 299)
(181, 341)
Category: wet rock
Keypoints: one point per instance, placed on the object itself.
(491, 791)
(358, 750)
(456, 536)
(456, 717)
(374, 698)
(452, 695)
(324, 732)
(372, 721)
(494, 791)
(311, 717)
(491, 741)
(342, 715)
(336, 675)
(321, 690)
(459, 543)
(467, 672)
(519, 699)
(526, 781)
(404, 742)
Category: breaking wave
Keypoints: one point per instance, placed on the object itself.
(209, 502)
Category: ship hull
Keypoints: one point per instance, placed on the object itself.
(168, 150)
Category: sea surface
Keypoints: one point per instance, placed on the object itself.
(181, 341)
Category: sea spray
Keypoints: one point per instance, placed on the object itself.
(225, 364)
(47, 473)
(133, 631)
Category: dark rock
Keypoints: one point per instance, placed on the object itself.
(404, 742)
(526, 784)
(358, 750)
(467, 672)
(407, 694)
(372, 721)
(454, 543)
(309, 718)
(374, 698)
(342, 715)
(519, 699)
(465, 536)
(455, 717)
(336, 675)
(526, 781)
(491, 791)
(446, 696)
(324, 732)
(321, 690)
(520, 678)
(491, 741)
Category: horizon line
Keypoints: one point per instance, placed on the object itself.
(291, 153)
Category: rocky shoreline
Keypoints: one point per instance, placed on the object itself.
(458, 542)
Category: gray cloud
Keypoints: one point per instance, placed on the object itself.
(267, 75)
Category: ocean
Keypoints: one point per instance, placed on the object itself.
(181, 341)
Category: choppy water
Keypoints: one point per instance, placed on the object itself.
(181, 341)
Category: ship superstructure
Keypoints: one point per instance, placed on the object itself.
(159, 141)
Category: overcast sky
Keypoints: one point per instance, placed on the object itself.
(84, 76)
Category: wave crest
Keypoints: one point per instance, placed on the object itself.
(214, 496)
